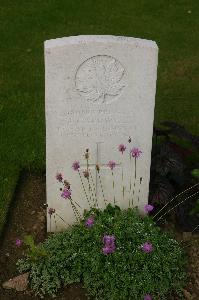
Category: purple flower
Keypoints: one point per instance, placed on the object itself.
(108, 240)
(51, 211)
(76, 165)
(90, 221)
(18, 242)
(147, 247)
(147, 297)
(148, 208)
(108, 249)
(122, 148)
(66, 194)
(111, 164)
(135, 152)
(59, 177)
(109, 244)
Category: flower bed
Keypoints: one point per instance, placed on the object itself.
(116, 253)
(28, 217)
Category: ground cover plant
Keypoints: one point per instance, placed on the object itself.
(24, 28)
(116, 253)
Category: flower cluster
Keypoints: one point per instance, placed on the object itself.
(90, 221)
(51, 211)
(66, 193)
(18, 242)
(147, 297)
(59, 177)
(111, 164)
(122, 148)
(148, 208)
(76, 165)
(147, 247)
(109, 244)
(135, 152)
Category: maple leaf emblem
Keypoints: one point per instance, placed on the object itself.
(99, 79)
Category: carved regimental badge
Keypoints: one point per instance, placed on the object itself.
(99, 79)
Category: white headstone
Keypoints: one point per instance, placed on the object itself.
(100, 90)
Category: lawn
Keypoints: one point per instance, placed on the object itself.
(25, 25)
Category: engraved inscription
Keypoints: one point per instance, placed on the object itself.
(99, 79)
(102, 122)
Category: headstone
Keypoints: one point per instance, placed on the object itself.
(99, 90)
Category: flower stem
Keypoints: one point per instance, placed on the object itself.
(113, 188)
(135, 168)
(94, 189)
(122, 181)
(130, 183)
(189, 244)
(177, 205)
(175, 198)
(98, 172)
(62, 219)
(89, 185)
(50, 223)
(139, 190)
(77, 204)
(84, 189)
(76, 212)
(55, 223)
(195, 228)
(134, 183)
(92, 197)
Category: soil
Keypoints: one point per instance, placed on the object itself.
(27, 216)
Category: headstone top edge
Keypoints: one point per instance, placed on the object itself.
(80, 39)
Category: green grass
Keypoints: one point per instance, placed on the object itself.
(25, 25)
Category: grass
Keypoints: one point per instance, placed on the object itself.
(25, 25)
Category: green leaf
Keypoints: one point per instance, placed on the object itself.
(195, 173)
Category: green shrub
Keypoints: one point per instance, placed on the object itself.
(128, 273)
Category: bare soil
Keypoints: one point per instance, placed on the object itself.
(27, 216)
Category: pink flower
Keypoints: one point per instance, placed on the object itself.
(111, 164)
(108, 249)
(147, 297)
(147, 247)
(122, 148)
(76, 165)
(18, 242)
(109, 244)
(148, 208)
(108, 239)
(59, 177)
(135, 152)
(90, 221)
(51, 211)
(66, 194)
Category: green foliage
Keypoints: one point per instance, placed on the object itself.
(195, 210)
(34, 251)
(195, 173)
(22, 118)
(129, 273)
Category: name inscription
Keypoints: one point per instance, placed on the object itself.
(94, 123)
